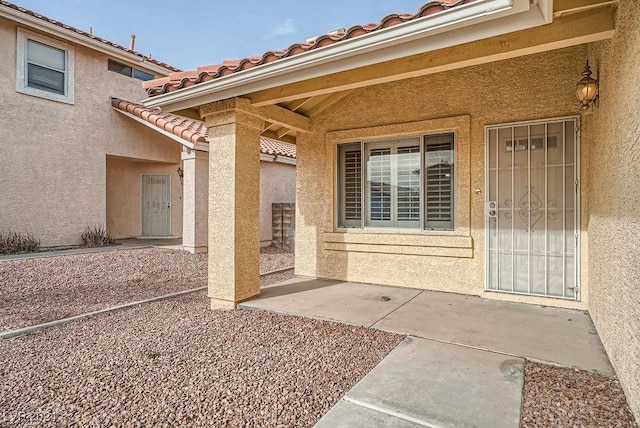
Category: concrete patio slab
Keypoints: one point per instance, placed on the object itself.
(349, 415)
(436, 384)
(349, 303)
(562, 336)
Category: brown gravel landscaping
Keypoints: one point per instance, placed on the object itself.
(176, 363)
(563, 397)
(33, 291)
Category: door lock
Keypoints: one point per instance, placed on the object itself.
(491, 209)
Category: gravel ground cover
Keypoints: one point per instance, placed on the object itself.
(176, 363)
(272, 258)
(275, 278)
(563, 397)
(34, 291)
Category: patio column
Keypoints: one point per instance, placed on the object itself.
(194, 201)
(234, 200)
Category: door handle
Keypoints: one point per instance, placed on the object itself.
(491, 209)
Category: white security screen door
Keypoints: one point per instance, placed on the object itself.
(156, 204)
(531, 208)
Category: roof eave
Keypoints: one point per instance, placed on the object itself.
(473, 21)
(72, 36)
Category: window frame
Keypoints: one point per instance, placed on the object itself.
(22, 67)
(133, 70)
(341, 223)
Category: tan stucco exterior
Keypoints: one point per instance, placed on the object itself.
(277, 185)
(463, 101)
(54, 155)
(195, 201)
(68, 166)
(613, 137)
(123, 196)
(234, 201)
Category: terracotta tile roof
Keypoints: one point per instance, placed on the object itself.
(278, 148)
(185, 79)
(84, 33)
(191, 130)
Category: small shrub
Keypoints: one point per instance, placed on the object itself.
(96, 236)
(15, 243)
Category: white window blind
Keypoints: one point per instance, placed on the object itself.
(381, 184)
(439, 163)
(46, 66)
(351, 185)
(379, 172)
(409, 183)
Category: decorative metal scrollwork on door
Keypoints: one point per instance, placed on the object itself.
(156, 205)
(531, 213)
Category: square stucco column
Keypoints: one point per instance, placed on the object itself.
(234, 201)
(195, 202)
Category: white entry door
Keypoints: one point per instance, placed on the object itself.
(532, 208)
(156, 204)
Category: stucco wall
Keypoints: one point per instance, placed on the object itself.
(123, 195)
(53, 155)
(614, 219)
(526, 88)
(277, 185)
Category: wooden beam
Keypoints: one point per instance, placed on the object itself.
(274, 136)
(561, 5)
(295, 105)
(282, 132)
(269, 126)
(577, 6)
(566, 30)
(314, 101)
(190, 113)
(288, 119)
(325, 104)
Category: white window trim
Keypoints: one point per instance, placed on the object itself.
(21, 67)
(460, 126)
(396, 141)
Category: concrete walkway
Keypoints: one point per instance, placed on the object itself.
(125, 244)
(462, 362)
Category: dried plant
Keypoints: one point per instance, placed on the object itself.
(15, 243)
(96, 236)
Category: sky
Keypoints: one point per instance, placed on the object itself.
(191, 33)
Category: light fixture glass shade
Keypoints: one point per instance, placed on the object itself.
(587, 88)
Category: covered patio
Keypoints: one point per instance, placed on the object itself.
(462, 361)
(407, 132)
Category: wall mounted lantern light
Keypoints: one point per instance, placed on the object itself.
(180, 174)
(587, 89)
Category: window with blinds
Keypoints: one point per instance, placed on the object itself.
(44, 67)
(439, 163)
(350, 206)
(409, 183)
(381, 183)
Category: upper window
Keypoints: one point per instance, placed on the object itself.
(127, 70)
(45, 67)
(398, 183)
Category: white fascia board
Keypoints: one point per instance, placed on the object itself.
(72, 36)
(286, 160)
(462, 24)
(275, 158)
